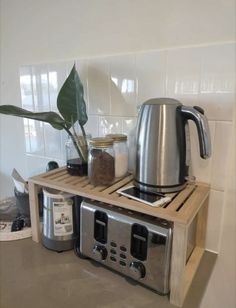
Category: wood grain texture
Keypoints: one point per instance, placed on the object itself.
(181, 209)
(190, 270)
(34, 211)
(178, 260)
(202, 224)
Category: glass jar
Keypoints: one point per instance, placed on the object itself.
(101, 161)
(75, 165)
(121, 154)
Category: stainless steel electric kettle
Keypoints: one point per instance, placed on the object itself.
(163, 145)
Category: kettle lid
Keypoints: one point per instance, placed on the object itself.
(162, 101)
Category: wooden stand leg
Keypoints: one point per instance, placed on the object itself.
(178, 260)
(182, 274)
(202, 224)
(34, 211)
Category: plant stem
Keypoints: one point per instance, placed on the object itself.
(80, 152)
(82, 144)
(84, 135)
(83, 132)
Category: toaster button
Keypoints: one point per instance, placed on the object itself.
(123, 248)
(113, 251)
(113, 244)
(122, 263)
(113, 259)
(123, 256)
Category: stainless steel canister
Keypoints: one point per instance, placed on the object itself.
(59, 230)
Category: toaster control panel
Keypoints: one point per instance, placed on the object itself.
(136, 246)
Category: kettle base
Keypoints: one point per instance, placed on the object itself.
(158, 189)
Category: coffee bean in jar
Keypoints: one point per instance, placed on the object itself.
(101, 161)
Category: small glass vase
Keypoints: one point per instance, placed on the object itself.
(74, 163)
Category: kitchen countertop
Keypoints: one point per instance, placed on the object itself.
(32, 276)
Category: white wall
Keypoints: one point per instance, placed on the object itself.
(50, 31)
(85, 28)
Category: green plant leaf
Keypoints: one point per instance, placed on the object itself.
(70, 100)
(49, 117)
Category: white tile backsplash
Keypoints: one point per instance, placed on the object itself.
(57, 73)
(99, 86)
(109, 125)
(215, 213)
(92, 126)
(220, 154)
(151, 75)
(113, 88)
(36, 136)
(123, 85)
(183, 74)
(26, 86)
(217, 88)
(52, 140)
(38, 164)
(129, 128)
(201, 167)
(64, 139)
(129, 125)
(41, 88)
(27, 136)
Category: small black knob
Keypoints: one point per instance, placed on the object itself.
(137, 270)
(199, 109)
(100, 252)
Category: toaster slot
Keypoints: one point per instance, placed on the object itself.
(139, 239)
(100, 227)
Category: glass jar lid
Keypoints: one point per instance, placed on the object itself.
(117, 137)
(101, 142)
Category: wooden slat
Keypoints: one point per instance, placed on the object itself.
(133, 205)
(194, 203)
(118, 185)
(50, 173)
(58, 175)
(82, 184)
(74, 180)
(181, 197)
(62, 181)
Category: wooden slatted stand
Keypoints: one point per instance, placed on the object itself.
(189, 205)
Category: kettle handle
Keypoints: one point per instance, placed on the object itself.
(197, 115)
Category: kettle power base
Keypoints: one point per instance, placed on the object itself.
(188, 207)
(159, 190)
